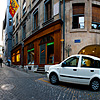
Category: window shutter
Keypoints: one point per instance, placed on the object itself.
(78, 9)
(95, 13)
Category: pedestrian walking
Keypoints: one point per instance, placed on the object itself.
(1, 62)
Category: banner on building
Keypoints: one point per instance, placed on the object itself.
(13, 7)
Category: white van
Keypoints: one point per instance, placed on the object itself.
(78, 69)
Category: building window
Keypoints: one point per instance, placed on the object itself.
(95, 17)
(35, 20)
(17, 20)
(24, 31)
(78, 16)
(13, 41)
(24, 7)
(16, 38)
(48, 10)
(18, 56)
(13, 57)
(13, 27)
(10, 21)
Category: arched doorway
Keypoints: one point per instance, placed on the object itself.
(93, 50)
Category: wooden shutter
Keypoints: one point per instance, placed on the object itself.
(95, 13)
(78, 9)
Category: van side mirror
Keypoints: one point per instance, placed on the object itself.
(63, 64)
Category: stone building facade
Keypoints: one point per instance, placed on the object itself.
(7, 34)
(40, 28)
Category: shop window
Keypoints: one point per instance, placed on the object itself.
(13, 57)
(42, 54)
(31, 56)
(50, 53)
(35, 19)
(18, 56)
(48, 9)
(95, 17)
(78, 16)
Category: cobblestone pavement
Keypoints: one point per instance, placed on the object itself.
(19, 85)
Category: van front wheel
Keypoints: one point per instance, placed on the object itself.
(54, 79)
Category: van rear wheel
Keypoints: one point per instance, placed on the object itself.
(54, 79)
(95, 85)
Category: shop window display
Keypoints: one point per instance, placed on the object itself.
(50, 53)
(18, 56)
(31, 56)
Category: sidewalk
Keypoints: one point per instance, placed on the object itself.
(25, 70)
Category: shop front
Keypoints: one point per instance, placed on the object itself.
(16, 56)
(44, 47)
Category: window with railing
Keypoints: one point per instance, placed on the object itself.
(95, 17)
(78, 16)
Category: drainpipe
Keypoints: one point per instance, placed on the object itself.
(63, 29)
(59, 9)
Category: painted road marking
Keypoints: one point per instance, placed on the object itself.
(44, 80)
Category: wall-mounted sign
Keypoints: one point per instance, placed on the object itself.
(77, 41)
(30, 50)
(51, 43)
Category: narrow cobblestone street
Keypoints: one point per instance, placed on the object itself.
(19, 85)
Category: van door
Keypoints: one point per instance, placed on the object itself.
(87, 70)
(68, 72)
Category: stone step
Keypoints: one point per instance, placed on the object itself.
(40, 70)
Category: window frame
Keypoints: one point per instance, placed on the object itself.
(93, 60)
(64, 63)
(78, 15)
(45, 4)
